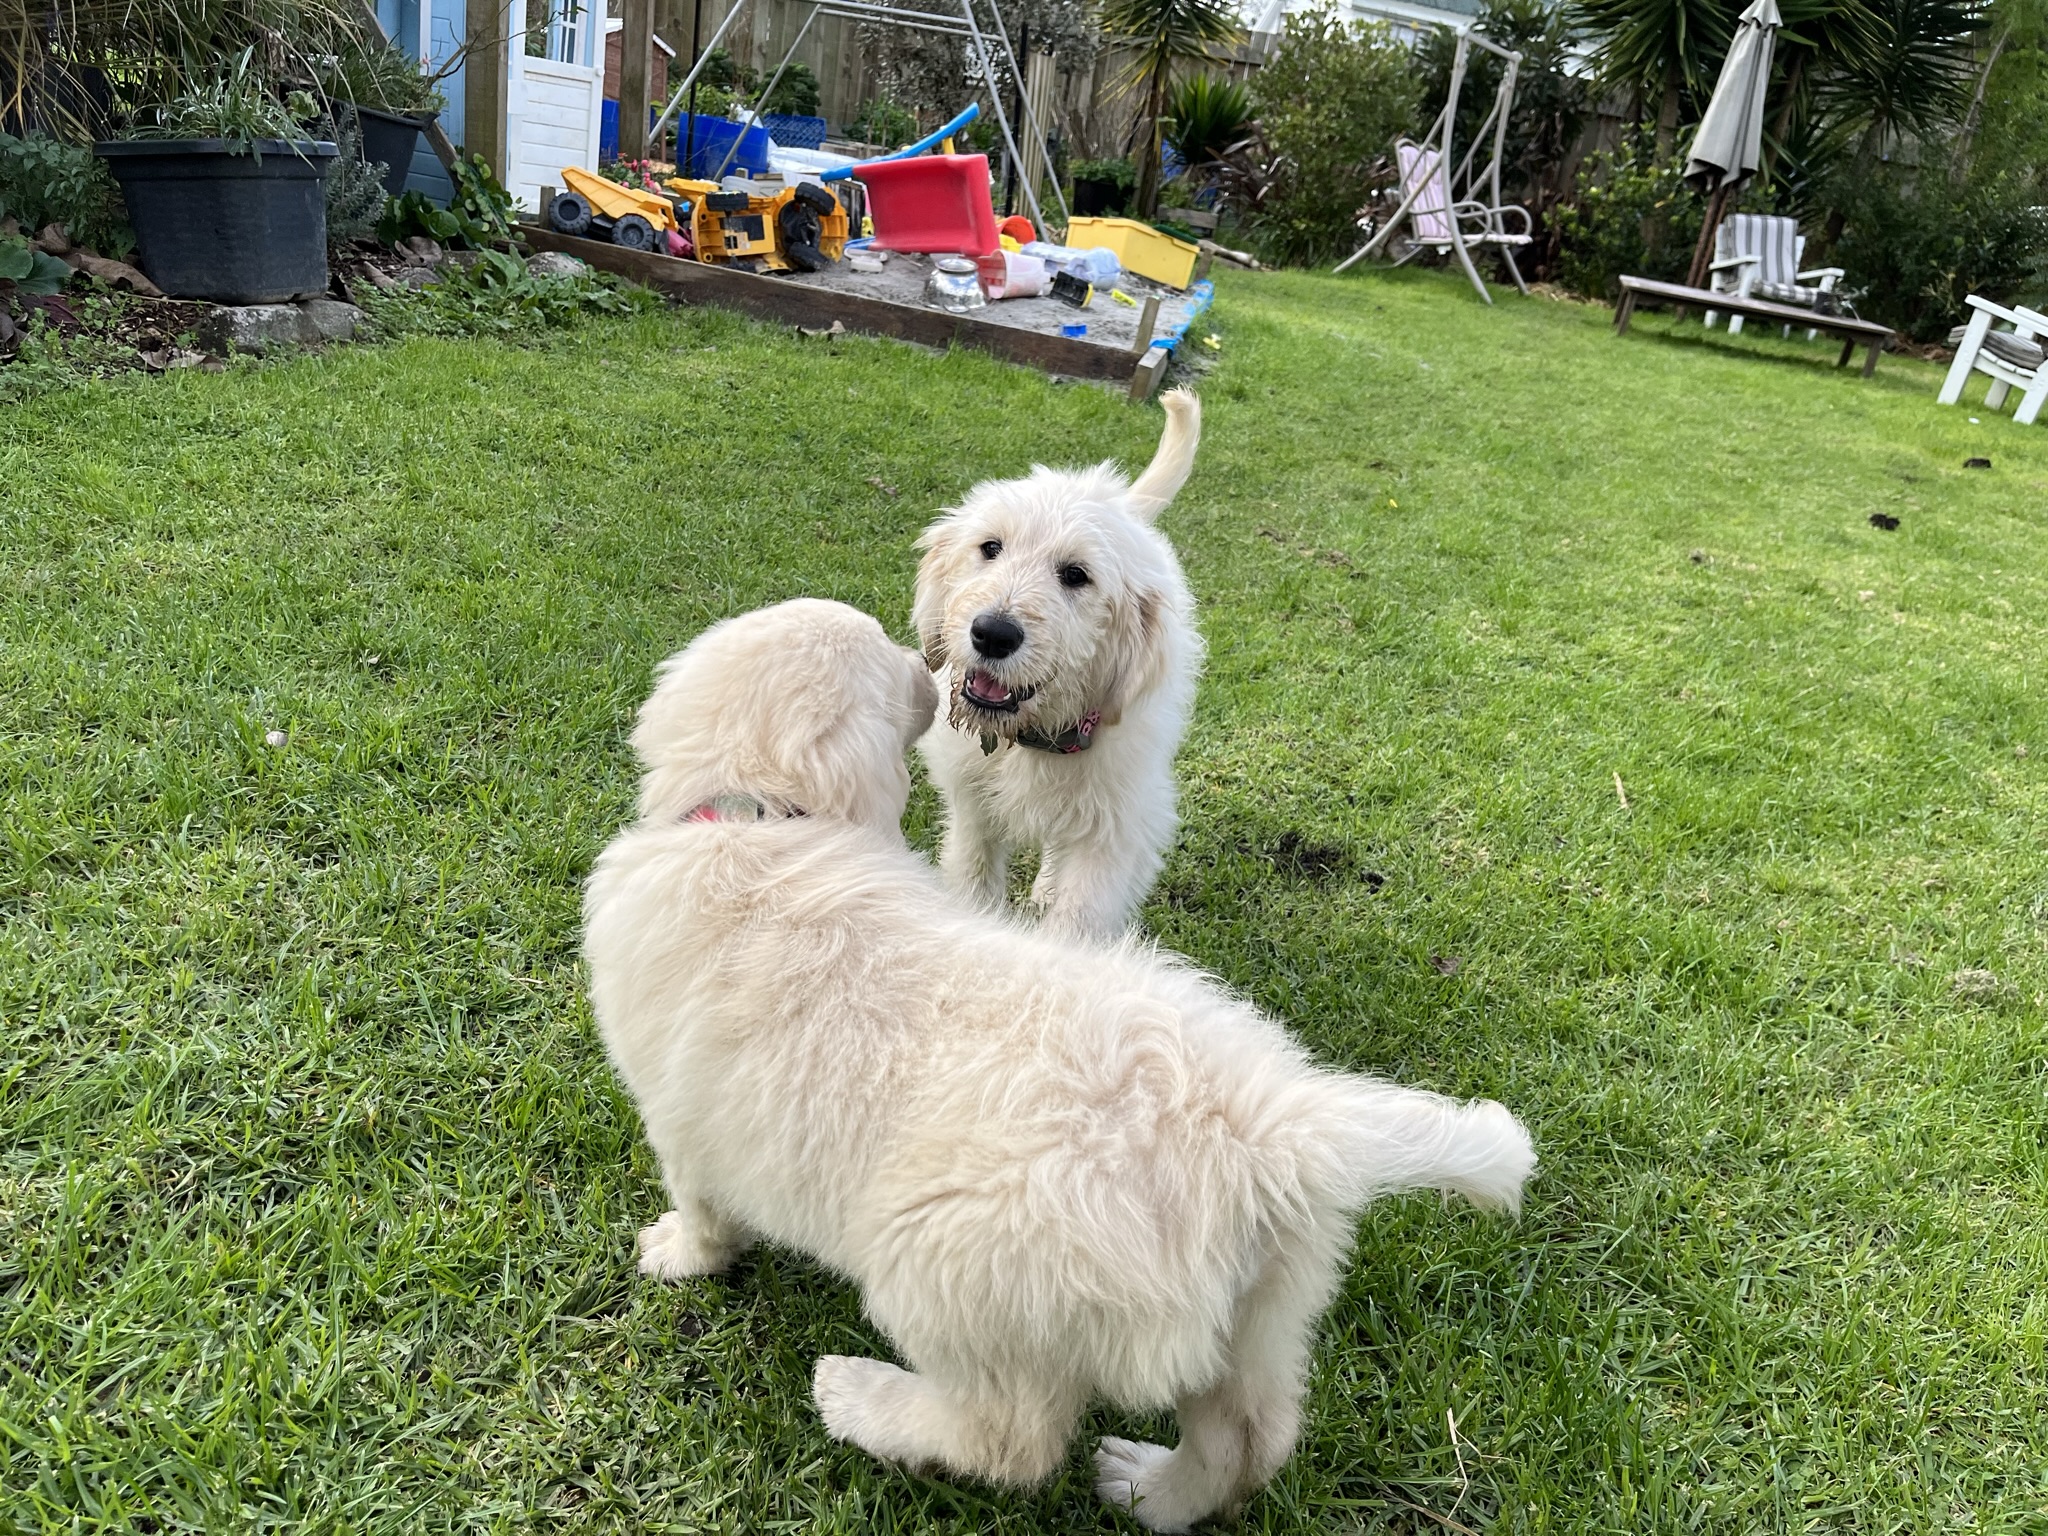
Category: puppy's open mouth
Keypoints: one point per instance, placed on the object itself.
(985, 692)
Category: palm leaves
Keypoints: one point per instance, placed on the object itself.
(1911, 75)
(1845, 71)
(1159, 32)
(1205, 115)
(1662, 50)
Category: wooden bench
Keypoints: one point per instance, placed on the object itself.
(1854, 333)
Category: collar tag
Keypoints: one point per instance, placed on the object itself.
(728, 808)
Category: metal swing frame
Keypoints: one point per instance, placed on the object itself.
(965, 24)
(1491, 211)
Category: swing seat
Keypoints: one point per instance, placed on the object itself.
(1435, 217)
(1432, 209)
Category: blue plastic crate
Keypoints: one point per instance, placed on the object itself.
(792, 132)
(710, 139)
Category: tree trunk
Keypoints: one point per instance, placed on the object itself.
(1667, 116)
(1775, 140)
(1658, 225)
(1861, 168)
(1148, 163)
(1959, 168)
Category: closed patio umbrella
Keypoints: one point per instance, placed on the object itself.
(1728, 147)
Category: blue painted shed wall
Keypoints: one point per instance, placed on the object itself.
(400, 20)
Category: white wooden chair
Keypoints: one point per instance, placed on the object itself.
(2013, 359)
(1756, 255)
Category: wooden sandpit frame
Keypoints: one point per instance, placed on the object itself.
(796, 303)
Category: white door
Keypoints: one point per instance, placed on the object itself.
(554, 98)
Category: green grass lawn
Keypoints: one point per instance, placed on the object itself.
(317, 1198)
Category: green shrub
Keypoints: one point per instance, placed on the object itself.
(796, 93)
(1122, 172)
(1332, 100)
(387, 78)
(480, 216)
(45, 182)
(353, 189)
(1632, 215)
(237, 103)
(1914, 250)
(497, 296)
(881, 121)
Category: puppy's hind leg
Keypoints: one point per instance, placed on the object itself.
(917, 1422)
(1236, 1435)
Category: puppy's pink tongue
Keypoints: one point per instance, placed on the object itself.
(987, 686)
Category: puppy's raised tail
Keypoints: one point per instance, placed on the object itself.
(1381, 1139)
(1175, 460)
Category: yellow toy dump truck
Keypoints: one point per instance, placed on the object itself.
(762, 224)
(596, 209)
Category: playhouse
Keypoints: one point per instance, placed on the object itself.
(547, 94)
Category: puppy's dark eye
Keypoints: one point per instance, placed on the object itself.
(1073, 576)
(991, 548)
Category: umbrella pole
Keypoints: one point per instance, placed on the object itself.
(1703, 252)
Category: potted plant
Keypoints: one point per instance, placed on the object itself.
(394, 100)
(224, 192)
(1102, 186)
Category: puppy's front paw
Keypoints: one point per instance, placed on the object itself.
(1126, 1472)
(673, 1249)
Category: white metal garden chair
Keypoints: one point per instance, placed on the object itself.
(1756, 255)
(2013, 359)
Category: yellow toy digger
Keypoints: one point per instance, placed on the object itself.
(596, 209)
(766, 227)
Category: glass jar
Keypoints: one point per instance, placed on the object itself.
(954, 286)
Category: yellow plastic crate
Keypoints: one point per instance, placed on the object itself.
(1140, 247)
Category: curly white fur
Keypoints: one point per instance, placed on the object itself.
(1056, 1171)
(1123, 645)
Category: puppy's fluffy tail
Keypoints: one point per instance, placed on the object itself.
(1380, 1139)
(1175, 459)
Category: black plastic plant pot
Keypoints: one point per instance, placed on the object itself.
(390, 140)
(215, 221)
(1095, 196)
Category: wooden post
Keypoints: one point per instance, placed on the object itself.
(636, 44)
(485, 85)
(1148, 320)
(1149, 374)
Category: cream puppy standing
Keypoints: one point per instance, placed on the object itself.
(1056, 1171)
(1061, 634)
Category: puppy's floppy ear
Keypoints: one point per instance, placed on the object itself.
(1137, 655)
(941, 546)
(1175, 460)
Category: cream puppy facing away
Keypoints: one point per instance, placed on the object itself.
(1061, 634)
(1057, 1172)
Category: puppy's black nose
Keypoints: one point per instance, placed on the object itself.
(996, 635)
